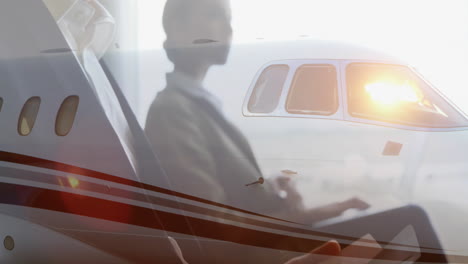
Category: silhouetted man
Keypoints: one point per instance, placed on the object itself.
(204, 155)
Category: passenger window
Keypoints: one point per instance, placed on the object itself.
(28, 115)
(1, 103)
(395, 94)
(267, 90)
(66, 115)
(314, 91)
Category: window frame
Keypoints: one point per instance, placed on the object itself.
(288, 98)
(58, 118)
(281, 110)
(254, 85)
(22, 115)
(349, 117)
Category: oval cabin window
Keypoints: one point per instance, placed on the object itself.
(28, 115)
(66, 115)
(1, 104)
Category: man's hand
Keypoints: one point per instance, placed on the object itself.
(287, 190)
(333, 210)
(284, 186)
(355, 203)
(323, 254)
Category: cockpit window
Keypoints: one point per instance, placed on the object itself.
(28, 115)
(267, 90)
(314, 91)
(395, 94)
(66, 115)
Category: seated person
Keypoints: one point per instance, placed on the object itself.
(203, 154)
(206, 156)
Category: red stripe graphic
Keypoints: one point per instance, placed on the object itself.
(48, 164)
(145, 217)
(42, 163)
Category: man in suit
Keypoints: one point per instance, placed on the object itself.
(204, 155)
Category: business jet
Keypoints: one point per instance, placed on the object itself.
(79, 182)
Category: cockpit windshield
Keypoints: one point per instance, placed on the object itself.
(395, 94)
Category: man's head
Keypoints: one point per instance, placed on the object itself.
(198, 32)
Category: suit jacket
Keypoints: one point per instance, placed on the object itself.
(203, 154)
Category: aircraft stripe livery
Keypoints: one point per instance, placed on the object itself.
(90, 206)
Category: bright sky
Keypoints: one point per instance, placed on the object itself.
(430, 34)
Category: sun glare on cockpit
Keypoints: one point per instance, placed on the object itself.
(387, 94)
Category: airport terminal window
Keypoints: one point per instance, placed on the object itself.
(314, 91)
(395, 94)
(28, 115)
(267, 90)
(66, 115)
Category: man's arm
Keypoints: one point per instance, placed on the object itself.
(293, 200)
(333, 210)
